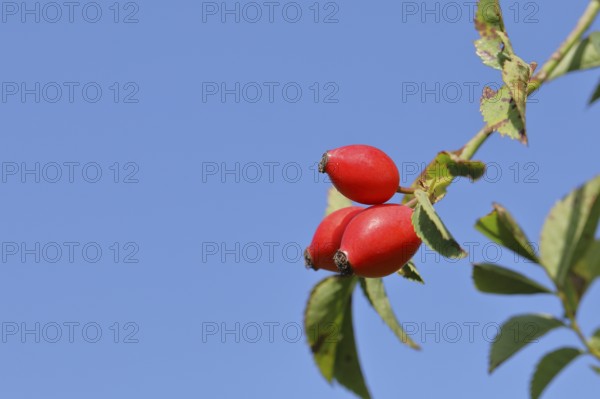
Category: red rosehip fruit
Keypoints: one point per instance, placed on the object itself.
(328, 236)
(378, 241)
(362, 173)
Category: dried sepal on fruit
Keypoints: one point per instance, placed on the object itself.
(327, 238)
(378, 241)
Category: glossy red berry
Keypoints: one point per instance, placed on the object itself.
(362, 173)
(327, 238)
(378, 241)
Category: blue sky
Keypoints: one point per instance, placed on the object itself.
(172, 181)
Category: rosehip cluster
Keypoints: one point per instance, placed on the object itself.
(368, 242)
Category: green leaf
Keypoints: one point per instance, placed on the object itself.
(596, 369)
(582, 275)
(516, 333)
(588, 266)
(500, 227)
(430, 228)
(335, 201)
(549, 367)
(573, 289)
(595, 96)
(410, 272)
(347, 365)
(499, 280)
(500, 111)
(442, 171)
(458, 167)
(493, 44)
(595, 341)
(569, 230)
(375, 293)
(323, 317)
(584, 55)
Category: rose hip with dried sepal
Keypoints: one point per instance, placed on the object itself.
(327, 238)
(362, 173)
(378, 241)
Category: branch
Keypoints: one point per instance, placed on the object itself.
(574, 326)
(586, 19)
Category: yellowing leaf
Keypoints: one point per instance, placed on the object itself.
(516, 74)
(490, 25)
(335, 201)
(500, 112)
(442, 171)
